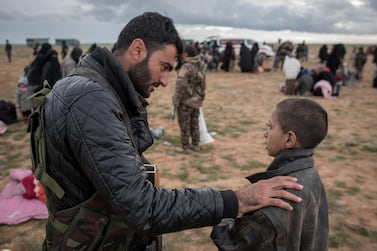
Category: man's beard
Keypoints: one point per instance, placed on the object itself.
(141, 77)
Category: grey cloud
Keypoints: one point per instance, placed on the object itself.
(10, 15)
(372, 4)
(320, 16)
(315, 16)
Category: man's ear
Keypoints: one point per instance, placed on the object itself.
(291, 140)
(138, 50)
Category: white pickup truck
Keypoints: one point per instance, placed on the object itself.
(264, 50)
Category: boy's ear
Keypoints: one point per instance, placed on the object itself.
(291, 140)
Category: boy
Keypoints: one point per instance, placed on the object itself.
(295, 128)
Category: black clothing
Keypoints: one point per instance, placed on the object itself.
(227, 57)
(375, 55)
(45, 66)
(245, 59)
(8, 51)
(336, 57)
(253, 56)
(323, 54)
(90, 149)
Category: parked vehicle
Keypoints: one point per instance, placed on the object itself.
(264, 50)
(188, 40)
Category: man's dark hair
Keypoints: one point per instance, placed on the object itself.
(305, 117)
(154, 29)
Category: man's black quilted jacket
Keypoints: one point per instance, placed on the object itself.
(89, 149)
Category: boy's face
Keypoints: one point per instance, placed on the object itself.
(275, 138)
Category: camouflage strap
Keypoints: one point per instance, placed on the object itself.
(38, 144)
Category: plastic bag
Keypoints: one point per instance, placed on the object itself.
(204, 135)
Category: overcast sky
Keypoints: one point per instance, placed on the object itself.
(101, 21)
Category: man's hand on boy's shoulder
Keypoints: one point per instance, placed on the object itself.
(270, 192)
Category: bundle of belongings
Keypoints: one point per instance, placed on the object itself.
(22, 199)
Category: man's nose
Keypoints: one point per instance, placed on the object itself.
(164, 79)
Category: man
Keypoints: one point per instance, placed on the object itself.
(64, 50)
(70, 61)
(8, 50)
(96, 130)
(277, 56)
(360, 60)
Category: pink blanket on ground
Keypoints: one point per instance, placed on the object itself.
(14, 208)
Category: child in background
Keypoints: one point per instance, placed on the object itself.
(304, 83)
(340, 79)
(295, 128)
(24, 91)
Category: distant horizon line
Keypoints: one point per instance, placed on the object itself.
(308, 43)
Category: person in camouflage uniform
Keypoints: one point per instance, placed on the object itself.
(188, 98)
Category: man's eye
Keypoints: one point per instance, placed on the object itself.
(165, 67)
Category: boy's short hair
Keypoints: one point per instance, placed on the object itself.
(305, 117)
(154, 29)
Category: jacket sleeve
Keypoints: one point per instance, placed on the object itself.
(104, 150)
(250, 232)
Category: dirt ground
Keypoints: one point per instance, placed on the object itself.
(236, 109)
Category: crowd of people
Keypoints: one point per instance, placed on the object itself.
(326, 79)
(46, 66)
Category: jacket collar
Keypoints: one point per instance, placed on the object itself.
(286, 162)
(105, 64)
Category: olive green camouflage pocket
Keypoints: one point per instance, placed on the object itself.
(85, 232)
(117, 236)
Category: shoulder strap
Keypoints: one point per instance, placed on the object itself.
(36, 128)
(95, 76)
